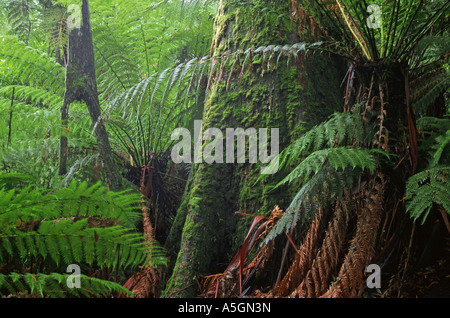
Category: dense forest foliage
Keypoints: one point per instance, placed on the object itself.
(91, 93)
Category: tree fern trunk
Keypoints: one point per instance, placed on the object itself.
(81, 85)
(292, 98)
(347, 249)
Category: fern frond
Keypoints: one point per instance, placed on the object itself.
(73, 201)
(436, 133)
(426, 188)
(31, 66)
(80, 223)
(56, 285)
(340, 129)
(182, 74)
(328, 159)
(339, 158)
(320, 190)
(19, 17)
(14, 180)
(33, 94)
(427, 87)
(433, 123)
(66, 241)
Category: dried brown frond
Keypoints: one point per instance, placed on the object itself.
(308, 28)
(144, 284)
(351, 278)
(303, 259)
(329, 254)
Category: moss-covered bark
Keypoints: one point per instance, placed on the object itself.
(292, 98)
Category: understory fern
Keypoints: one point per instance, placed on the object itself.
(426, 188)
(338, 158)
(55, 285)
(341, 128)
(31, 66)
(329, 158)
(79, 224)
(431, 186)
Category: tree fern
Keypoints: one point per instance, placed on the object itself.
(185, 77)
(136, 39)
(402, 24)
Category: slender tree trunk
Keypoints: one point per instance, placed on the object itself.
(11, 109)
(292, 98)
(81, 85)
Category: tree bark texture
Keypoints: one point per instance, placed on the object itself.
(81, 85)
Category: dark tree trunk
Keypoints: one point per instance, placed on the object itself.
(81, 85)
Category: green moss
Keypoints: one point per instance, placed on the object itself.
(205, 226)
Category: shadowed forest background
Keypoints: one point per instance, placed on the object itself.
(91, 91)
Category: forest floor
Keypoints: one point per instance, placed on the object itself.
(431, 281)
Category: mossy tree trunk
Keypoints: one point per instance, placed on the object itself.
(81, 85)
(293, 98)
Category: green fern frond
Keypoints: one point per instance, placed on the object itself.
(54, 25)
(341, 129)
(31, 66)
(75, 200)
(340, 158)
(14, 180)
(56, 285)
(328, 159)
(442, 141)
(429, 87)
(183, 74)
(80, 223)
(426, 188)
(65, 241)
(33, 94)
(320, 190)
(431, 186)
(433, 123)
(19, 14)
(324, 175)
(436, 138)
